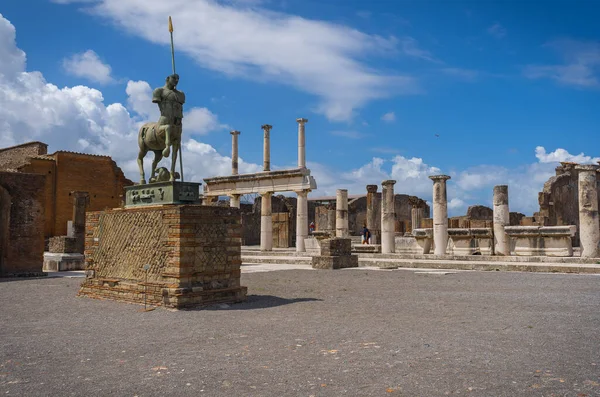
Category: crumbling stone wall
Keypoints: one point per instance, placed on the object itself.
(12, 158)
(559, 200)
(21, 223)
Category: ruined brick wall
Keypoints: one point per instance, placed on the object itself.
(97, 175)
(16, 156)
(21, 223)
(47, 167)
(193, 253)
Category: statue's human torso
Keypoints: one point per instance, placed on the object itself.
(170, 104)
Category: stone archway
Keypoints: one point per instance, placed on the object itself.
(4, 226)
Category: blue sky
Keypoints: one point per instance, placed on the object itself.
(489, 92)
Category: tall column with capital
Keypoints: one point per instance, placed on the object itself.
(266, 222)
(301, 220)
(440, 213)
(372, 213)
(589, 232)
(267, 147)
(301, 143)
(80, 202)
(501, 220)
(234, 200)
(234, 152)
(388, 217)
(341, 213)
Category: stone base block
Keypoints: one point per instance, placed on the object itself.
(424, 239)
(59, 262)
(159, 193)
(176, 256)
(334, 262)
(408, 245)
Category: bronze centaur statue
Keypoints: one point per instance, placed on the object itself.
(164, 135)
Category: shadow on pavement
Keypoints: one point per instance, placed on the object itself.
(258, 302)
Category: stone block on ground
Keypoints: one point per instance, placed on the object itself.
(336, 253)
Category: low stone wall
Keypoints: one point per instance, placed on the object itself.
(178, 255)
(541, 240)
(476, 241)
(63, 244)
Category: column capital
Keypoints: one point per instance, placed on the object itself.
(388, 182)
(266, 194)
(302, 192)
(437, 178)
(342, 191)
(80, 194)
(266, 127)
(587, 167)
(372, 188)
(235, 132)
(302, 120)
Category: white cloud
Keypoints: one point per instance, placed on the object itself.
(389, 117)
(328, 60)
(560, 155)
(456, 203)
(411, 48)
(88, 65)
(77, 119)
(202, 121)
(497, 30)
(581, 67)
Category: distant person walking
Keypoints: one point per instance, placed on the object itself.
(311, 227)
(366, 235)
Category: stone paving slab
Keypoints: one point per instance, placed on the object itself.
(352, 332)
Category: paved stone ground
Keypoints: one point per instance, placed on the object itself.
(355, 332)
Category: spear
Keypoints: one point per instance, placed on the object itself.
(173, 64)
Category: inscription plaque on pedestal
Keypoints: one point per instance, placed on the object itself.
(162, 193)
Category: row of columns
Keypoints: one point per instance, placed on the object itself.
(589, 221)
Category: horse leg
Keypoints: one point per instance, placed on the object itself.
(157, 157)
(140, 160)
(176, 145)
(167, 149)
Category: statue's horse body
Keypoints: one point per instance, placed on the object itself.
(160, 139)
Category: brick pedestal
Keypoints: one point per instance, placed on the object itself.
(193, 253)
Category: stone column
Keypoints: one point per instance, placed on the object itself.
(301, 143)
(501, 219)
(416, 212)
(331, 220)
(589, 232)
(440, 213)
(372, 213)
(266, 223)
(388, 217)
(301, 220)
(80, 202)
(267, 147)
(234, 200)
(234, 152)
(341, 213)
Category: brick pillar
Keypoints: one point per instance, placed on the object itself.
(80, 202)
